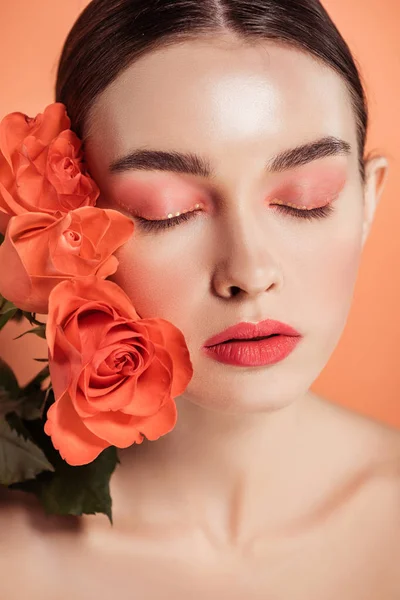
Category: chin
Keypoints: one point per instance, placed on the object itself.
(238, 390)
(256, 390)
(232, 390)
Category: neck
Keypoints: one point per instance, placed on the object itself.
(221, 473)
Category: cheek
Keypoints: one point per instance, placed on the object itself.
(335, 274)
(161, 282)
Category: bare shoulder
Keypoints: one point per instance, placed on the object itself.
(359, 429)
(380, 441)
(366, 448)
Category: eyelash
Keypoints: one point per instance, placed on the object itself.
(309, 215)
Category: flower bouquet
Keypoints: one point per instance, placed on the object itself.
(110, 377)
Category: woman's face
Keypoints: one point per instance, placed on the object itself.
(236, 107)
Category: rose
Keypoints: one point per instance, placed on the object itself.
(40, 250)
(14, 128)
(114, 375)
(41, 166)
(50, 178)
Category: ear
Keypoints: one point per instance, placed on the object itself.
(376, 172)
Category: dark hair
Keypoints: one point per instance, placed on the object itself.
(111, 34)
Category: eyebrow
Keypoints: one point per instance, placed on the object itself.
(193, 164)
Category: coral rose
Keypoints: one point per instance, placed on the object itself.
(41, 166)
(114, 374)
(40, 250)
(16, 126)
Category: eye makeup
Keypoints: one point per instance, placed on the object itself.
(198, 206)
(310, 187)
(162, 202)
(157, 197)
(309, 214)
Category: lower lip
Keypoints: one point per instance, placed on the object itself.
(254, 354)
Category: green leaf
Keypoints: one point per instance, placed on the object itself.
(8, 381)
(35, 383)
(7, 311)
(27, 402)
(9, 389)
(40, 331)
(80, 490)
(18, 316)
(20, 458)
(76, 490)
(71, 490)
(32, 398)
(10, 312)
(17, 424)
(32, 318)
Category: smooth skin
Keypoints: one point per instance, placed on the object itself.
(263, 489)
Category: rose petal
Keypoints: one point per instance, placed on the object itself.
(90, 289)
(15, 284)
(123, 431)
(152, 389)
(126, 359)
(55, 120)
(112, 398)
(104, 378)
(140, 354)
(108, 267)
(118, 429)
(161, 423)
(76, 444)
(106, 228)
(16, 126)
(110, 293)
(105, 334)
(8, 207)
(79, 400)
(92, 323)
(65, 363)
(131, 364)
(173, 341)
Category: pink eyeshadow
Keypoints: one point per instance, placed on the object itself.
(155, 197)
(313, 184)
(161, 194)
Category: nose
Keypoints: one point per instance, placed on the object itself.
(246, 264)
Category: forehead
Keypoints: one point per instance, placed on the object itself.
(218, 96)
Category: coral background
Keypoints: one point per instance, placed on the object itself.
(364, 371)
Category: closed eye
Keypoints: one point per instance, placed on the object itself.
(310, 214)
(149, 225)
(159, 224)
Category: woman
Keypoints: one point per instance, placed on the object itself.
(233, 134)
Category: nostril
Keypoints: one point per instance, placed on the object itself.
(235, 290)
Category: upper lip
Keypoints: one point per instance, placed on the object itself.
(247, 330)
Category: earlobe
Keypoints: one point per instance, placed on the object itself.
(376, 172)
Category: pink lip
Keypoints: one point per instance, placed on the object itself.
(247, 331)
(235, 345)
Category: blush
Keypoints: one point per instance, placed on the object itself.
(156, 197)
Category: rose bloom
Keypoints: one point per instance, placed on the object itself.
(41, 167)
(114, 375)
(41, 250)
